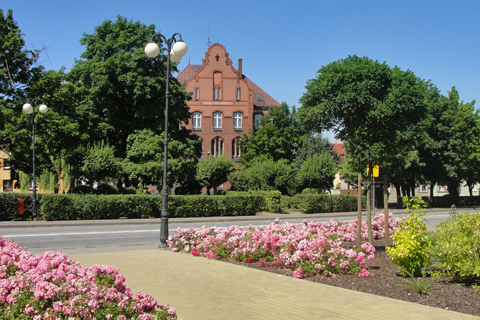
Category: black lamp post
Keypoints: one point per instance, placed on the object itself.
(29, 109)
(174, 54)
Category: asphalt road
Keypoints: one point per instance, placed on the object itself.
(76, 237)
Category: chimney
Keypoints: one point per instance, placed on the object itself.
(240, 74)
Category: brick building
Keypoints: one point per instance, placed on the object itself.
(225, 104)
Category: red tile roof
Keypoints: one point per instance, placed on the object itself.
(188, 73)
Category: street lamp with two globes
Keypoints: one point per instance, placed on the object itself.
(176, 49)
(29, 108)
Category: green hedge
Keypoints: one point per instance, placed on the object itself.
(9, 206)
(322, 203)
(89, 207)
(447, 201)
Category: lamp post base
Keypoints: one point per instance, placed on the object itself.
(163, 231)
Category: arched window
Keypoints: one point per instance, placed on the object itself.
(197, 120)
(236, 151)
(217, 146)
(217, 120)
(237, 120)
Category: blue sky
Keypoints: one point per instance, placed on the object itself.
(282, 43)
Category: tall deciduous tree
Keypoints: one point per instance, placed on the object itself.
(21, 79)
(372, 108)
(123, 89)
(17, 64)
(451, 148)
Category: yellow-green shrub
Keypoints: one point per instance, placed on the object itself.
(411, 245)
(458, 246)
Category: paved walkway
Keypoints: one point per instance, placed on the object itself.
(200, 288)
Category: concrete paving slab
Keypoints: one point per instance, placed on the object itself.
(200, 288)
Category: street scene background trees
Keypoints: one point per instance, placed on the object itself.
(105, 123)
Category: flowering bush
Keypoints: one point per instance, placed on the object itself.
(50, 286)
(307, 248)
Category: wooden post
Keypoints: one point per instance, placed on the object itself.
(369, 212)
(359, 217)
(385, 210)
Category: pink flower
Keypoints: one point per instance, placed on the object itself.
(194, 252)
(364, 274)
(298, 273)
(249, 260)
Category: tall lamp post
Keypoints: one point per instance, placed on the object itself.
(29, 109)
(176, 50)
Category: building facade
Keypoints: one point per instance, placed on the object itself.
(7, 182)
(225, 104)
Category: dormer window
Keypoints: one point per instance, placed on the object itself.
(259, 97)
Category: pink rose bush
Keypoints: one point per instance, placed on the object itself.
(50, 286)
(307, 248)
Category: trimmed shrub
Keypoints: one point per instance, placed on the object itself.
(9, 206)
(447, 201)
(272, 201)
(458, 246)
(321, 203)
(288, 202)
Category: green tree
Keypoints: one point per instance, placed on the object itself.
(277, 138)
(100, 164)
(17, 64)
(374, 109)
(451, 147)
(17, 72)
(265, 174)
(311, 145)
(213, 171)
(317, 172)
(144, 162)
(122, 90)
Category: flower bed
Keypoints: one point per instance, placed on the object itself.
(308, 248)
(50, 286)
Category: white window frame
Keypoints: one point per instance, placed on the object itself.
(197, 120)
(237, 120)
(217, 120)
